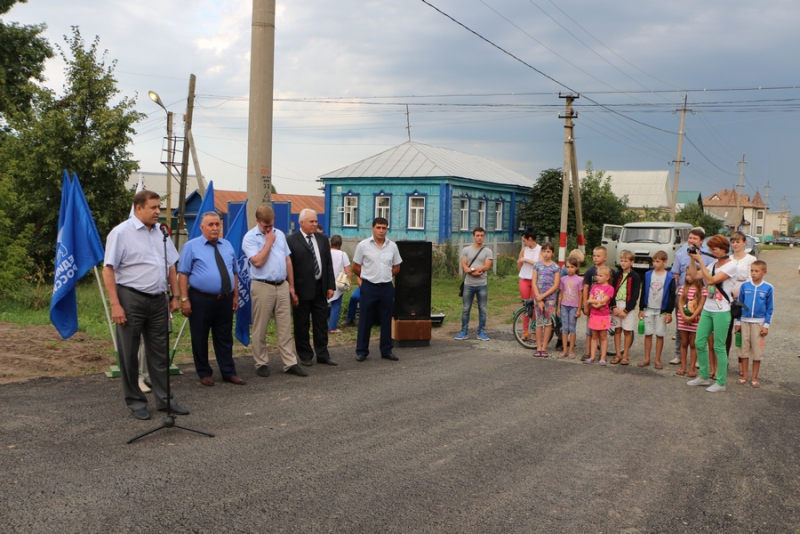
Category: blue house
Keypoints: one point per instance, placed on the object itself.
(426, 193)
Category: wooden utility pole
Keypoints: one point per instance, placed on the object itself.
(568, 115)
(170, 162)
(187, 126)
(739, 215)
(677, 161)
(576, 194)
(408, 123)
(259, 128)
(201, 181)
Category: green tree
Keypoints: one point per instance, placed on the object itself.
(83, 131)
(794, 224)
(694, 215)
(543, 209)
(22, 55)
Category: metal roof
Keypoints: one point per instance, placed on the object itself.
(645, 189)
(416, 160)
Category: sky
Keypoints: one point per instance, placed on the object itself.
(478, 76)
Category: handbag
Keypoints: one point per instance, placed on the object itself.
(461, 288)
(736, 306)
(342, 280)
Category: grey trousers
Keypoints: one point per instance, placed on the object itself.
(146, 318)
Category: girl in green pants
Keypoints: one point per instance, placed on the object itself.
(720, 277)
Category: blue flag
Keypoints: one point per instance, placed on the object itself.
(78, 249)
(235, 234)
(205, 206)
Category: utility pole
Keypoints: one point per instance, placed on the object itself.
(187, 127)
(576, 194)
(677, 161)
(170, 163)
(739, 215)
(408, 123)
(783, 215)
(568, 115)
(201, 181)
(259, 128)
(766, 200)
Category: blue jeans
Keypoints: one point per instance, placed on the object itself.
(483, 296)
(353, 306)
(336, 306)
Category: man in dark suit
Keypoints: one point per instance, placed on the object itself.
(314, 284)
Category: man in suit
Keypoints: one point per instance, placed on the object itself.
(314, 284)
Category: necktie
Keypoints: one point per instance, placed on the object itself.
(223, 270)
(313, 255)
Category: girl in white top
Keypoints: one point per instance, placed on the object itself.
(341, 263)
(528, 257)
(743, 261)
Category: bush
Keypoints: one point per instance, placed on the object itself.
(446, 261)
(506, 266)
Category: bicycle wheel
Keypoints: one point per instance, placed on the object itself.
(519, 331)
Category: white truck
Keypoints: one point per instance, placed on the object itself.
(644, 239)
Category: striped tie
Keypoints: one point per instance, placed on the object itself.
(314, 255)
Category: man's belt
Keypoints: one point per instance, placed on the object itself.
(270, 282)
(212, 295)
(142, 293)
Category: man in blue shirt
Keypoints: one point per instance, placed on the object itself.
(208, 266)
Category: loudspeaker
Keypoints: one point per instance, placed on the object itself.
(412, 291)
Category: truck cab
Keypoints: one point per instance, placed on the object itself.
(644, 239)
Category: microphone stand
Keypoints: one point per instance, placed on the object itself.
(169, 419)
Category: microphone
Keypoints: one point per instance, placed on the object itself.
(164, 230)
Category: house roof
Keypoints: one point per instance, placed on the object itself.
(416, 160)
(645, 189)
(690, 197)
(727, 197)
(299, 202)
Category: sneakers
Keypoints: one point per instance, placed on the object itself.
(715, 388)
(461, 336)
(482, 336)
(699, 382)
(675, 361)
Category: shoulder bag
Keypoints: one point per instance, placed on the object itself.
(461, 289)
(342, 281)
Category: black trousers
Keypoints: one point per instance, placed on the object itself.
(375, 298)
(317, 311)
(216, 316)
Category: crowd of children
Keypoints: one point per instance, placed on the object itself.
(703, 297)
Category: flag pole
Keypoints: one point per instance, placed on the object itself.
(113, 370)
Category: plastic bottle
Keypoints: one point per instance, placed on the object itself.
(739, 339)
(641, 327)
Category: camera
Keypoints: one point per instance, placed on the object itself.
(692, 249)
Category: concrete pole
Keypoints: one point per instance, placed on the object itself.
(259, 135)
(673, 211)
(170, 159)
(739, 216)
(565, 179)
(187, 126)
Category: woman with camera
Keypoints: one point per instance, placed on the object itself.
(720, 277)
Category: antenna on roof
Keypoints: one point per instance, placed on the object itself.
(408, 123)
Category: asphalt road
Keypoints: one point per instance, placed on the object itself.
(471, 436)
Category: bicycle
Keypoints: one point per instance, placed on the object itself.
(527, 308)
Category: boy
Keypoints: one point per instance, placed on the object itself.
(656, 305)
(626, 297)
(599, 256)
(758, 296)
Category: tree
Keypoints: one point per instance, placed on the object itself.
(694, 215)
(22, 55)
(84, 132)
(794, 224)
(543, 209)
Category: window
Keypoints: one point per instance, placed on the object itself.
(350, 211)
(760, 215)
(383, 207)
(416, 213)
(759, 230)
(465, 214)
(482, 214)
(498, 216)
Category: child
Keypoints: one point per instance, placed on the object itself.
(691, 298)
(528, 257)
(545, 281)
(569, 305)
(758, 296)
(656, 305)
(599, 313)
(599, 256)
(626, 297)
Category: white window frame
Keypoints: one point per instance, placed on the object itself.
(416, 213)
(350, 215)
(498, 216)
(464, 214)
(383, 211)
(482, 214)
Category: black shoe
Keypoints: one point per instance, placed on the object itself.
(611, 353)
(309, 363)
(295, 370)
(177, 410)
(142, 414)
(390, 357)
(327, 362)
(262, 371)
(361, 357)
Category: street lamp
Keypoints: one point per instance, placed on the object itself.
(168, 200)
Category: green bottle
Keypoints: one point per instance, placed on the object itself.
(641, 327)
(739, 339)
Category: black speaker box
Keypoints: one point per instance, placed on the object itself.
(412, 291)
